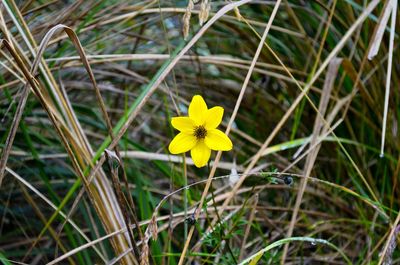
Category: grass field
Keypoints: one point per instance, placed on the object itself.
(89, 95)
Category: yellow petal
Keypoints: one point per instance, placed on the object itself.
(200, 154)
(183, 142)
(214, 117)
(183, 124)
(217, 140)
(198, 109)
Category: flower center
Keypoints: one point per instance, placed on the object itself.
(200, 132)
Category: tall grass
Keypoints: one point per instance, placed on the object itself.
(311, 103)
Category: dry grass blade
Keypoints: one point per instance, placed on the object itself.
(14, 126)
(387, 252)
(17, 116)
(312, 156)
(380, 28)
(389, 72)
(82, 55)
(114, 163)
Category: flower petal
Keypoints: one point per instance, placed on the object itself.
(200, 154)
(183, 142)
(198, 109)
(217, 140)
(214, 117)
(183, 124)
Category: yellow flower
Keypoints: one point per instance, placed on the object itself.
(199, 133)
